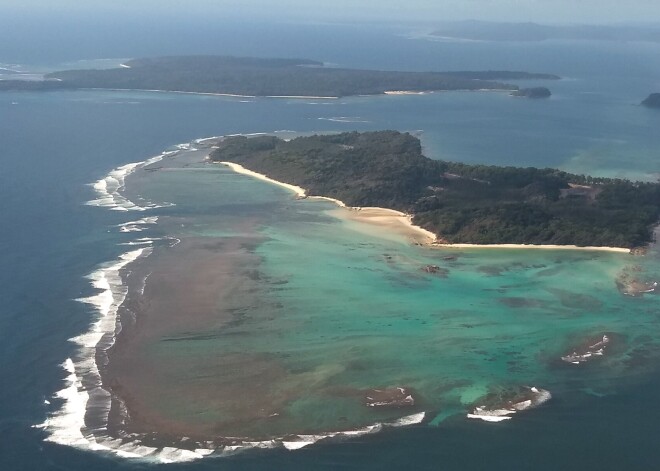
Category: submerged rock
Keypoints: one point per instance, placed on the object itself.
(517, 302)
(593, 348)
(629, 283)
(389, 397)
(637, 288)
(435, 270)
(499, 407)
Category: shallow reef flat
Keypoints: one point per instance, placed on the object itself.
(274, 321)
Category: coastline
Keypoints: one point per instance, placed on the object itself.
(405, 92)
(531, 246)
(293, 97)
(230, 95)
(108, 402)
(401, 223)
(384, 222)
(390, 219)
(123, 295)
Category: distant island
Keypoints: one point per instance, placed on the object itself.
(652, 101)
(535, 92)
(460, 203)
(472, 30)
(243, 76)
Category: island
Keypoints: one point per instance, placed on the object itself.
(652, 101)
(458, 203)
(244, 76)
(474, 30)
(535, 92)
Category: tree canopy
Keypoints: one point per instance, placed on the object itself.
(460, 203)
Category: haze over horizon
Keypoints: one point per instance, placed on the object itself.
(428, 11)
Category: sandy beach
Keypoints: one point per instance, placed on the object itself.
(300, 192)
(405, 92)
(396, 222)
(384, 222)
(531, 246)
(230, 95)
(388, 220)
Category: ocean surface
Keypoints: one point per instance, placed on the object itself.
(335, 307)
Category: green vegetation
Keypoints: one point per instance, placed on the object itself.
(460, 203)
(269, 77)
(652, 101)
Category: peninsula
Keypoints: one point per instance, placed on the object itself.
(459, 203)
(241, 76)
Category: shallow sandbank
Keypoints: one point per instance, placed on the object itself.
(385, 221)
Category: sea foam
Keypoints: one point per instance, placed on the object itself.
(137, 226)
(108, 189)
(81, 420)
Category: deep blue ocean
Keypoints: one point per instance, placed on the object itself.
(53, 145)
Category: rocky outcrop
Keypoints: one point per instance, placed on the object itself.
(389, 397)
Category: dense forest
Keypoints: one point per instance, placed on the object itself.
(460, 203)
(269, 77)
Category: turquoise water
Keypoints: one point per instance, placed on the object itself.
(322, 314)
(338, 310)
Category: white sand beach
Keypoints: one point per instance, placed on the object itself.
(400, 224)
(530, 246)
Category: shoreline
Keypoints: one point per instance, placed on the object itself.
(99, 412)
(532, 246)
(381, 217)
(295, 97)
(230, 95)
(393, 219)
(68, 426)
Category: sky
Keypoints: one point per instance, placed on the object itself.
(540, 11)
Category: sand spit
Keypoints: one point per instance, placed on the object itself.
(388, 220)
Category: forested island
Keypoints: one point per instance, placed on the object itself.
(460, 203)
(266, 77)
(652, 101)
